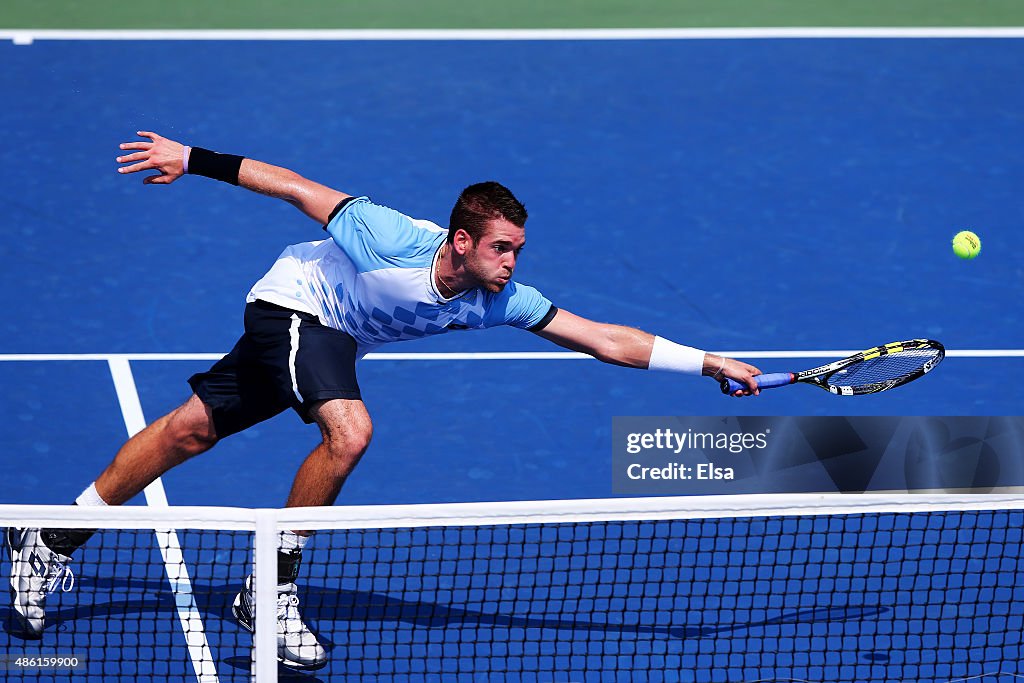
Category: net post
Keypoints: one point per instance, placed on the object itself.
(265, 637)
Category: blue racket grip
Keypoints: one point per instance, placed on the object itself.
(769, 381)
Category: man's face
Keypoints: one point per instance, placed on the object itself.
(492, 260)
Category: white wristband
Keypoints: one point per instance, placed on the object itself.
(672, 357)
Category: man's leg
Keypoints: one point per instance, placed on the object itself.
(40, 556)
(346, 429)
(168, 442)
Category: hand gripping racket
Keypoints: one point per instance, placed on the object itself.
(867, 372)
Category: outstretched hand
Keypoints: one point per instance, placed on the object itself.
(740, 372)
(160, 154)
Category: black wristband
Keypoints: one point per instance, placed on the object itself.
(223, 167)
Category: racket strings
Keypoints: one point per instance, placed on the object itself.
(884, 368)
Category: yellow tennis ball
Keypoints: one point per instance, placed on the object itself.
(966, 244)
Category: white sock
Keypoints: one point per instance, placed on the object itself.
(290, 540)
(89, 497)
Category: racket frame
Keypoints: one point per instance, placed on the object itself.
(821, 375)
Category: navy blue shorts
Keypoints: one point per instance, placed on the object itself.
(285, 359)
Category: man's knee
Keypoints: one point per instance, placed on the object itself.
(346, 427)
(190, 427)
(351, 441)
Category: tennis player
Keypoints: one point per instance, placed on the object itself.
(378, 277)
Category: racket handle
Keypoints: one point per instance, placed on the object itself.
(769, 381)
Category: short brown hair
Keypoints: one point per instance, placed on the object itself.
(481, 203)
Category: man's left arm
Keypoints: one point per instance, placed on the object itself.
(630, 347)
(171, 160)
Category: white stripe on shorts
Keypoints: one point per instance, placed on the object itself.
(293, 333)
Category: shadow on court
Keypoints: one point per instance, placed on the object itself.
(329, 606)
(823, 614)
(243, 664)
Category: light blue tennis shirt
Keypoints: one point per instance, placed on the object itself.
(374, 279)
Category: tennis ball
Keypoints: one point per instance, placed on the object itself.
(966, 244)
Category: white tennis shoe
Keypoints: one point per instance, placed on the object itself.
(36, 571)
(297, 647)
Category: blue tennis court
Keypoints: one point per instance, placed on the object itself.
(783, 195)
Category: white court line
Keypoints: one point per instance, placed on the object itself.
(167, 539)
(27, 36)
(482, 355)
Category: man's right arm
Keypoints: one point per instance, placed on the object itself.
(170, 158)
(630, 347)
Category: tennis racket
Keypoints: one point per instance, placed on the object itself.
(868, 372)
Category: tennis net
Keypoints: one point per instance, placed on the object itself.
(725, 588)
